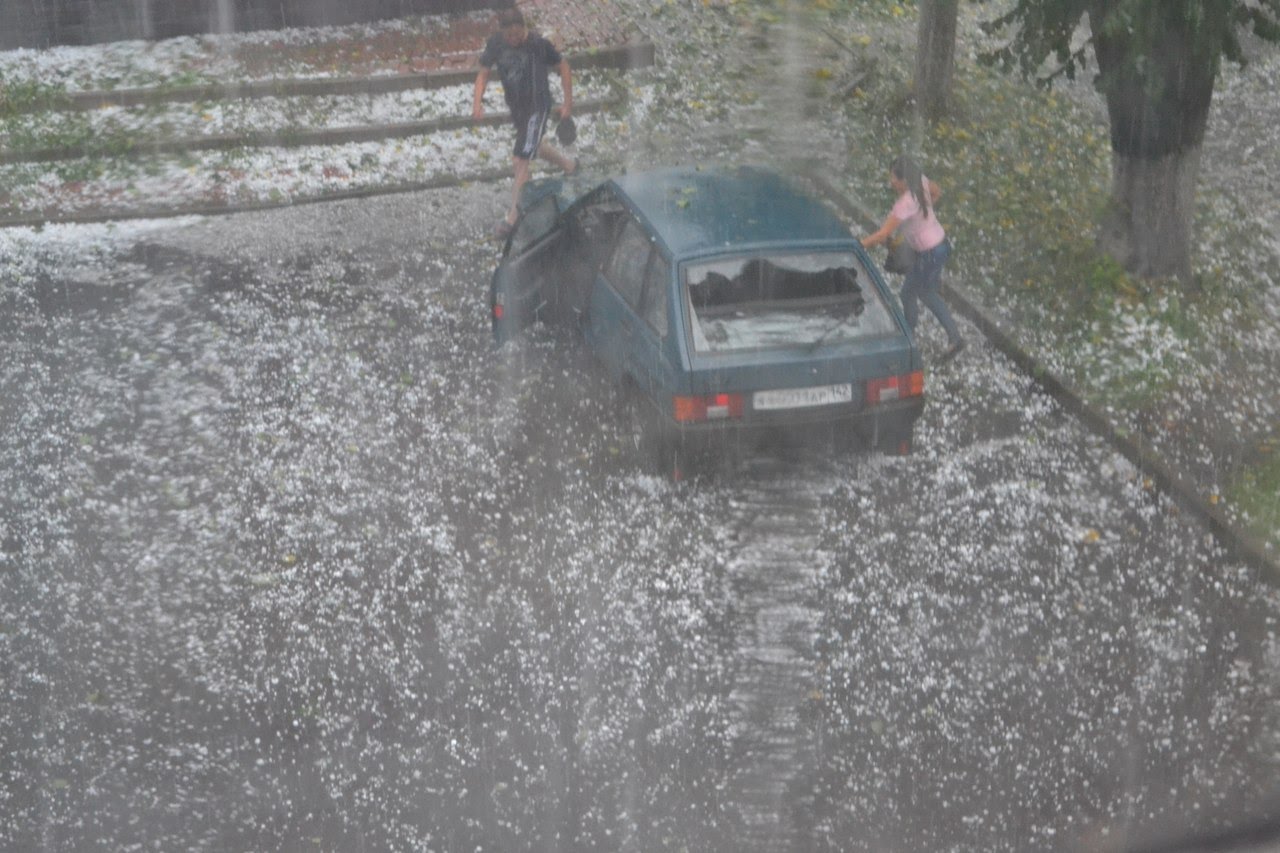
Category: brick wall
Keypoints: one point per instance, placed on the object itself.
(42, 23)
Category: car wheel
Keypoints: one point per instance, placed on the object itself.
(643, 436)
(672, 460)
(639, 430)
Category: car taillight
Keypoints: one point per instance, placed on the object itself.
(710, 407)
(497, 307)
(895, 387)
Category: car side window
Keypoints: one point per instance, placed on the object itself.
(654, 301)
(597, 223)
(535, 224)
(626, 269)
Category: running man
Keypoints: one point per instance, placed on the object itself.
(523, 60)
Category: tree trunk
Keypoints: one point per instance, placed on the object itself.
(935, 55)
(1157, 68)
(1147, 227)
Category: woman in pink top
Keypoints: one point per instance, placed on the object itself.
(913, 213)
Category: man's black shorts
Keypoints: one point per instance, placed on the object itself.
(529, 130)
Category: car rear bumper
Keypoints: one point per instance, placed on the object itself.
(872, 424)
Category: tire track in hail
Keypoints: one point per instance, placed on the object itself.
(776, 514)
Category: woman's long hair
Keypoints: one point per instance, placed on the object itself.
(908, 171)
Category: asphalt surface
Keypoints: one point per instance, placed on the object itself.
(293, 558)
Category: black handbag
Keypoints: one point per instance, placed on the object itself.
(567, 131)
(901, 257)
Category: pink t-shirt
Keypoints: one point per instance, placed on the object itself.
(921, 233)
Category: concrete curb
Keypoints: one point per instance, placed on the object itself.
(1240, 544)
(625, 56)
(440, 182)
(288, 138)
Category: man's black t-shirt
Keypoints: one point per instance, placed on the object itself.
(523, 71)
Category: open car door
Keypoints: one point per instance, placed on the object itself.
(521, 285)
(551, 262)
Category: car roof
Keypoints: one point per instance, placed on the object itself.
(699, 210)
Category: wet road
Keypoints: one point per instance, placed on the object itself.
(292, 559)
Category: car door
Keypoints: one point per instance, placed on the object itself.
(655, 352)
(521, 284)
(630, 314)
(591, 226)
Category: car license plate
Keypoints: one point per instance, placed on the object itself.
(800, 398)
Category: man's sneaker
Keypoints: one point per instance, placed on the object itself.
(952, 351)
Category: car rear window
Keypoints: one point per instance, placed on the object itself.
(763, 302)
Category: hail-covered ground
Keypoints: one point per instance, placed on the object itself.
(291, 557)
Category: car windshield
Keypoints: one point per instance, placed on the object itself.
(784, 300)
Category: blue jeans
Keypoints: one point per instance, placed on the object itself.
(923, 283)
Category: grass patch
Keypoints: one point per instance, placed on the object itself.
(28, 133)
(1257, 494)
(1026, 177)
(25, 96)
(183, 80)
(1026, 174)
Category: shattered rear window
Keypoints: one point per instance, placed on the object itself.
(775, 301)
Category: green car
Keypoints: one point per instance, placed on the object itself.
(727, 304)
